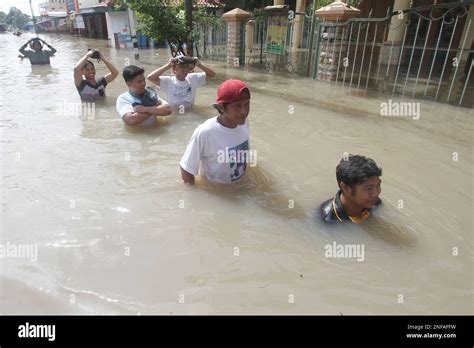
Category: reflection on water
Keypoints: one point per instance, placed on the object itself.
(117, 228)
(43, 71)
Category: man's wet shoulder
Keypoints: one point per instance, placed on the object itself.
(326, 212)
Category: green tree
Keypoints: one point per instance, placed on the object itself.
(3, 17)
(16, 18)
(160, 20)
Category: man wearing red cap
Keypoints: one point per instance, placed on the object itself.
(222, 142)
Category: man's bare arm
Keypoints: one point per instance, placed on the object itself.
(188, 178)
(157, 110)
(134, 118)
(209, 72)
(154, 76)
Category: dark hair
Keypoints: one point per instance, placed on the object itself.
(219, 107)
(183, 60)
(95, 54)
(354, 170)
(87, 63)
(245, 91)
(131, 71)
(36, 41)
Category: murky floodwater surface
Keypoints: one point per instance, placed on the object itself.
(118, 232)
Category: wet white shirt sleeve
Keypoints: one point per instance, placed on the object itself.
(197, 79)
(165, 82)
(192, 156)
(124, 105)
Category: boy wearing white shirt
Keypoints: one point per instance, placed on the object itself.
(140, 105)
(222, 142)
(181, 88)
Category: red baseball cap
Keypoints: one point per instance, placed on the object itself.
(230, 90)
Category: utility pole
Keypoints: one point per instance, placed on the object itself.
(133, 32)
(34, 19)
(188, 7)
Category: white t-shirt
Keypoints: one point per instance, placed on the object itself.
(182, 92)
(127, 101)
(224, 152)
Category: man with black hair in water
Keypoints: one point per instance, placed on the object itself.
(37, 55)
(359, 183)
(141, 104)
(90, 87)
(221, 143)
(181, 88)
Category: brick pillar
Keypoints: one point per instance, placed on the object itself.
(235, 20)
(329, 54)
(338, 11)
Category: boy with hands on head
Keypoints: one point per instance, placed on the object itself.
(181, 88)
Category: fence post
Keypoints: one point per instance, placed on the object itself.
(391, 50)
(299, 24)
(235, 35)
(249, 33)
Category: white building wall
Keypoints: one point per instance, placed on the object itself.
(116, 23)
(52, 6)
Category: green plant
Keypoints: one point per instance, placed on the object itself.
(16, 18)
(161, 20)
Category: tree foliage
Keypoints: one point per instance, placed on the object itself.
(159, 19)
(16, 18)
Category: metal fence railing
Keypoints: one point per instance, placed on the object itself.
(422, 52)
(425, 52)
(211, 42)
(286, 57)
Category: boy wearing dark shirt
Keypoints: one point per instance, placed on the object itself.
(359, 183)
(37, 55)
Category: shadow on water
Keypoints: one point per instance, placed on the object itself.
(392, 232)
(391, 229)
(42, 69)
(256, 186)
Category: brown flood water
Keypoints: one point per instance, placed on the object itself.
(117, 232)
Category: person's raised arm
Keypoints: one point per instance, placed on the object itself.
(22, 48)
(78, 68)
(188, 178)
(53, 50)
(154, 76)
(191, 159)
(113, 70)
(209, 72)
